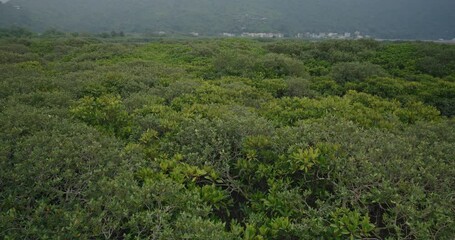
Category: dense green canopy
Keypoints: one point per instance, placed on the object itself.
(225, 139)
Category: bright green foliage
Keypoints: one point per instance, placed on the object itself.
(364, 109)
(350, 224)
(106, 112)
(225, 139)
(305, 159)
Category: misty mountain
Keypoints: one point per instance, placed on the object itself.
(416, 19)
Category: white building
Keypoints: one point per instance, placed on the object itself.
(263, 35)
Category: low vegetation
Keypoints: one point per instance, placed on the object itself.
(225, 139)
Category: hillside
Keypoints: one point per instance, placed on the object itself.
(402, 19)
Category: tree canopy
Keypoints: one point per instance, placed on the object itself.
(225, 139)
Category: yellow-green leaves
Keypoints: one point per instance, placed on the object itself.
(106, 112)
(350, 224)
(305, 159)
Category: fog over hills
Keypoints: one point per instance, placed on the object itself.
(403, 19)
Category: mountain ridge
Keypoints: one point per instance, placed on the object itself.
(406, 19)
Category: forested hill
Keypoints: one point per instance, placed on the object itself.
(403, 19)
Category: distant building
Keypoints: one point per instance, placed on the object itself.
(323, 35)
(194, 34)
(263, 35)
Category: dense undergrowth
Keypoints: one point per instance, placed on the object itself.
(226, 139)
